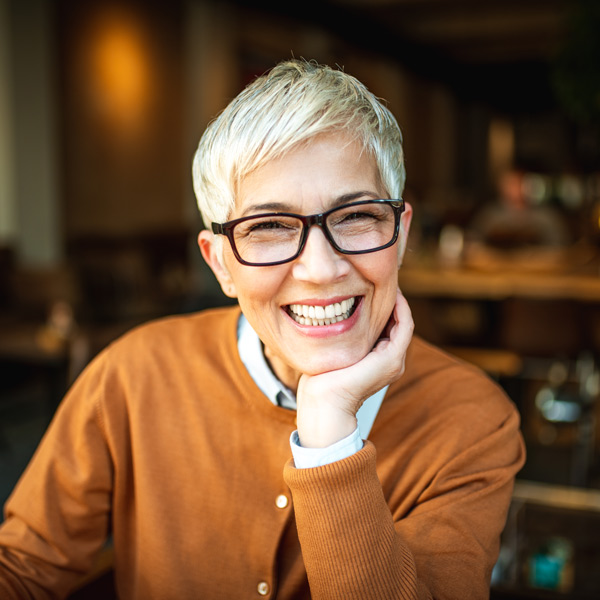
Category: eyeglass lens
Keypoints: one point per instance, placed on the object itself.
(353, 228)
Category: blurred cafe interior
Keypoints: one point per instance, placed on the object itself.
(102, 104)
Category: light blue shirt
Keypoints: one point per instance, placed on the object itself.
(252, 355)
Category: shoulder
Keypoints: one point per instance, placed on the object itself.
(159, 347)
(184, 332)
(436, 380)
(168, 355)
(442, 407)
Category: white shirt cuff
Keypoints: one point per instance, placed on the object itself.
(308, 458)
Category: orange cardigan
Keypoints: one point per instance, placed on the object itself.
(166, 443)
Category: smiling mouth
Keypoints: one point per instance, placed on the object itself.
(316, 315)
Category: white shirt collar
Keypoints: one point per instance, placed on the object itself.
(252, 355)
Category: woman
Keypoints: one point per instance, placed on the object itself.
(177, 438)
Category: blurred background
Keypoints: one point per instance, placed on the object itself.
(102, 104)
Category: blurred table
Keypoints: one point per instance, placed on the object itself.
(537, 304)
(465, 283)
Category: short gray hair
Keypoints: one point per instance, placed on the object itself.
(292, 103)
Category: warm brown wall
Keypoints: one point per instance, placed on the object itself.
(121, 74)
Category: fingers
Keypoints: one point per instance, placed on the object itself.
(404, 326)
(400, 325)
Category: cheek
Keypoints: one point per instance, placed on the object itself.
(382, 271)
(383, 275)
(256, 288)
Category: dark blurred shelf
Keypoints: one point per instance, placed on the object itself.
(463, 283)
(550, 548)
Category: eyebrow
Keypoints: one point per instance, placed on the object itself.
(282, 207)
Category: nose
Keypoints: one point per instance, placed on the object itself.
(319, 262)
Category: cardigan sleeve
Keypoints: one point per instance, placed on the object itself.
(57, 518)
(356, 546)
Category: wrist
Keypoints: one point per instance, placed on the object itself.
(324, 426)
(307, 458)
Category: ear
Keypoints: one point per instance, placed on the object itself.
(405, 220)
(211, 252)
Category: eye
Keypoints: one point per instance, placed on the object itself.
(355, 216)
(265, 225)
(271, 228)
(360, 215)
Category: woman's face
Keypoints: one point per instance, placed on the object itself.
(311, 179)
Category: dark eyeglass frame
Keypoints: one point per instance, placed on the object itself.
(308, 221)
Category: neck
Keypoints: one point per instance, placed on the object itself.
(288, 376)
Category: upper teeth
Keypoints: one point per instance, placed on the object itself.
(307, 314)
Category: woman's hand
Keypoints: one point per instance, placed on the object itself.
(328, 402)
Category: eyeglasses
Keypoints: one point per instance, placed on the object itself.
(276, 238)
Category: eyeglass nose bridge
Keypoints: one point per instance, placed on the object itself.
(319, 220)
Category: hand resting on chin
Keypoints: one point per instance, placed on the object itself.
(328, 402)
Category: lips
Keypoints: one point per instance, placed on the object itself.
(315, 315)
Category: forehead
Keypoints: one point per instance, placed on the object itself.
(311, 176)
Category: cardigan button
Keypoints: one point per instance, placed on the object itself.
(281, 501)
(263, 588)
